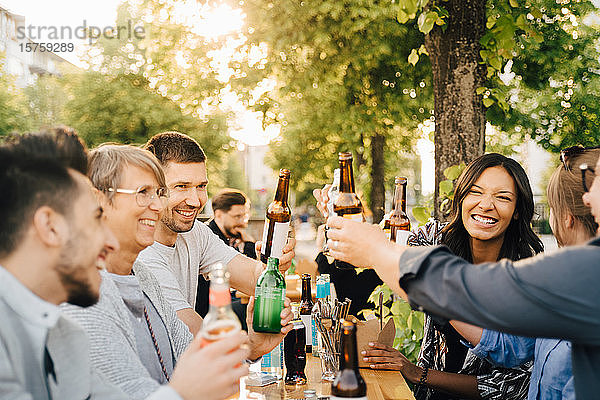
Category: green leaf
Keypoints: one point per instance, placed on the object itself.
(452, 172)
(480, 90)
(446, 187)
(402, 16)
(415, 324)
(423, 50)
(513, 3)
(413, 58)
(496, 63)
(487, 102)
(426, 21)
(537, 14)
(491, 21)
(522, 22)
(421, 214)
(410, 6)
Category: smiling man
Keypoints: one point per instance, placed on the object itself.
(138, 343)
(52, 244)
(185, 247)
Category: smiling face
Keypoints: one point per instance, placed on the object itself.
(489, 206)
(132, 224)
(187, 183)
(84, 254)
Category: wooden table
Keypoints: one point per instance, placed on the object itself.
(380, 385)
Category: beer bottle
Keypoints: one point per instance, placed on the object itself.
(220, 321)
(348, 382)
(399, 222)
(277, 222)
(269, 296)
(295, 354)
(347, 204)
(306, 306)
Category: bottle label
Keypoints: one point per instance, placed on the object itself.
(280, 234)
(307, 321)
(354, 217)
(313, 330)
(402, 237)
(219, 298)
(322, 290)
(344, 398)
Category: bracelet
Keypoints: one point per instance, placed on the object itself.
(423, 379)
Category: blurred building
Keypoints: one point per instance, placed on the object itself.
(26, 66)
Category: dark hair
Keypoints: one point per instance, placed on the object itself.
(519, 239)
(34, 173)
(228, 198)
(175, 147)
(61, 144)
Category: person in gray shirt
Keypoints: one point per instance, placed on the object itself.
(135, 334)
(553, 295)
(52, 242)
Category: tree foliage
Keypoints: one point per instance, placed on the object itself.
(341, 80)
(13, 111)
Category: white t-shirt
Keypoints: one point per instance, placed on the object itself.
(177, 268)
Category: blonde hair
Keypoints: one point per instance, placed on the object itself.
(108, 161)
(565, 192)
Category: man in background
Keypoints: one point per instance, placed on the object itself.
(232, 210)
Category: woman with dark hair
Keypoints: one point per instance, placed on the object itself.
(572, 223)
(491, 217)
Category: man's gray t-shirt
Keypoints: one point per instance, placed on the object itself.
(177, 268)
(136, 300)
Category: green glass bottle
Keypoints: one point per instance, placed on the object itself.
(269, 297)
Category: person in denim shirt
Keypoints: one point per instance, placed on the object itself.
(572, 224)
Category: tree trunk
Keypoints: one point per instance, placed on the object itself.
(377, 177)
(459, 111)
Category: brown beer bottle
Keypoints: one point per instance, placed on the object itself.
(348, 382)
(347, 204)
(306, 306)
(399, 222)
(277, 222)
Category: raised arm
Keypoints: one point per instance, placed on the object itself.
(544, 296)
(553, 295)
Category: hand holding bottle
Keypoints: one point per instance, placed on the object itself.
(222, 379)
(289, 252)
(322, 197)
(262, 343)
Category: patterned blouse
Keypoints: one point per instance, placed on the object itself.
(443, 349)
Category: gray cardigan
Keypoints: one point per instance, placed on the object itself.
(112, 341)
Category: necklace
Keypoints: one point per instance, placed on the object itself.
(155, 342)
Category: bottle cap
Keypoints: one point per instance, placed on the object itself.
(346, 155)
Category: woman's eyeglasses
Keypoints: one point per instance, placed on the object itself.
(588, 174)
